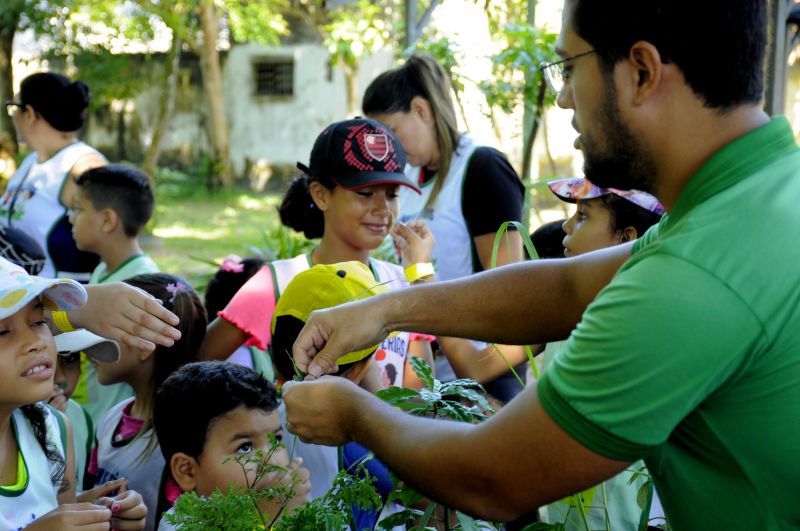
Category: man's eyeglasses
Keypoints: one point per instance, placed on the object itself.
(13, 107)
(555, 75)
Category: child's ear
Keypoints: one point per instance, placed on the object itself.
(319, 194)
(422, 108)
(184, 471)
(629, 234)
(110, 220)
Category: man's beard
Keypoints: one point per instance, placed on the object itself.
(623, 163)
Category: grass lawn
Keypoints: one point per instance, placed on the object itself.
(191, 228)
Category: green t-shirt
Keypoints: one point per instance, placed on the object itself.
(690, 357)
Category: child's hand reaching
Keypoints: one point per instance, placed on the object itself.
(110, 488)
(414, 242)
(128, 511)
(74, 516)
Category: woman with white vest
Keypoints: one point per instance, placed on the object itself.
(47, 112)
(468, 191)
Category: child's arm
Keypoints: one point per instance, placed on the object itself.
(127, 314)
(222, 339)
(67, 495)
(482, 365)
(72, 516)
(421, 349)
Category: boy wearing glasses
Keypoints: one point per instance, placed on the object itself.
(110, 207)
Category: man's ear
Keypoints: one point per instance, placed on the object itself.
(646, 70)
(628, 234)
(422, 108)
(320, 195)
(111, 220)
(184, 471)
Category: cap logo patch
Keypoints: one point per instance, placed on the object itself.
(377, 145)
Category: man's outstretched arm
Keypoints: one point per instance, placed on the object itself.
(530, 302)
(510, 464)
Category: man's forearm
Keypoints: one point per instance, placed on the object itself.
(531, 302)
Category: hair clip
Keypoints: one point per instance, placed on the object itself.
(174, 288)
(232, 264)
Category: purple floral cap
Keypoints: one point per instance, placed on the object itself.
(574, 188)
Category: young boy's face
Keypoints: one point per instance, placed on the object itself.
(589, 228)
(241, 431)
(86, 222)
(27, 356)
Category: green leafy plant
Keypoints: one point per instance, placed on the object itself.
(462, 400)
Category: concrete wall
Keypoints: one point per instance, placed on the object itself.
(265, 132)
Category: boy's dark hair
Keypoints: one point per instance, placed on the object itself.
(718, 45)
(224, 285)
(177, 296)
(124, 189)
(197, 394)
(625, 214)
(548, 240)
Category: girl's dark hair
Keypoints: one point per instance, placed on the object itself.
(625, 214)
(225, 283)
(209, 390)
(61, 102)
(298, 210)
(181, 299)
(422, 76)
(36, 414)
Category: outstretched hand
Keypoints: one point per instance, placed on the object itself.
(331, 333)
(126, 314)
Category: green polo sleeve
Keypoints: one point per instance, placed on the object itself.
(652, 347)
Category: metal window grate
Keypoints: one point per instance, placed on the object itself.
(274, 77)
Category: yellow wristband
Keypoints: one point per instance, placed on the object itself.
(418, 271)
(61, 321)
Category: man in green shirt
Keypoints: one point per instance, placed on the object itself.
(683, 348)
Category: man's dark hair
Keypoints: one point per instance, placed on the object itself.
(197, 394)
(719, 45)
(124, 189)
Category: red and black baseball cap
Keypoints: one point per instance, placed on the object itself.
(358, 153)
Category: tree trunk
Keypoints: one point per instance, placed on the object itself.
(8, 137)
(166, 106)
(351, 78)
(212, 81)
(527, 153)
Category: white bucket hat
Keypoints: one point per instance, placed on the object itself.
(18, 288)
(96, 347)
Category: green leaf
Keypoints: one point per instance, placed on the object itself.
(423, 371)
(403, 518)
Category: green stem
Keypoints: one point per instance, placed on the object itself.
(582, 511)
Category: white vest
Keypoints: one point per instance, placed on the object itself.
(20, 508)
(453, 251)
(37, 206)
(143, 474)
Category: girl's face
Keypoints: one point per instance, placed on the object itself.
(416, 132)
(68, 372)
(27, 355)
(134, 365)
(589, 228)
(359, 219)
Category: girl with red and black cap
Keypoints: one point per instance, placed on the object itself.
(348, 198)
(48, 112)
